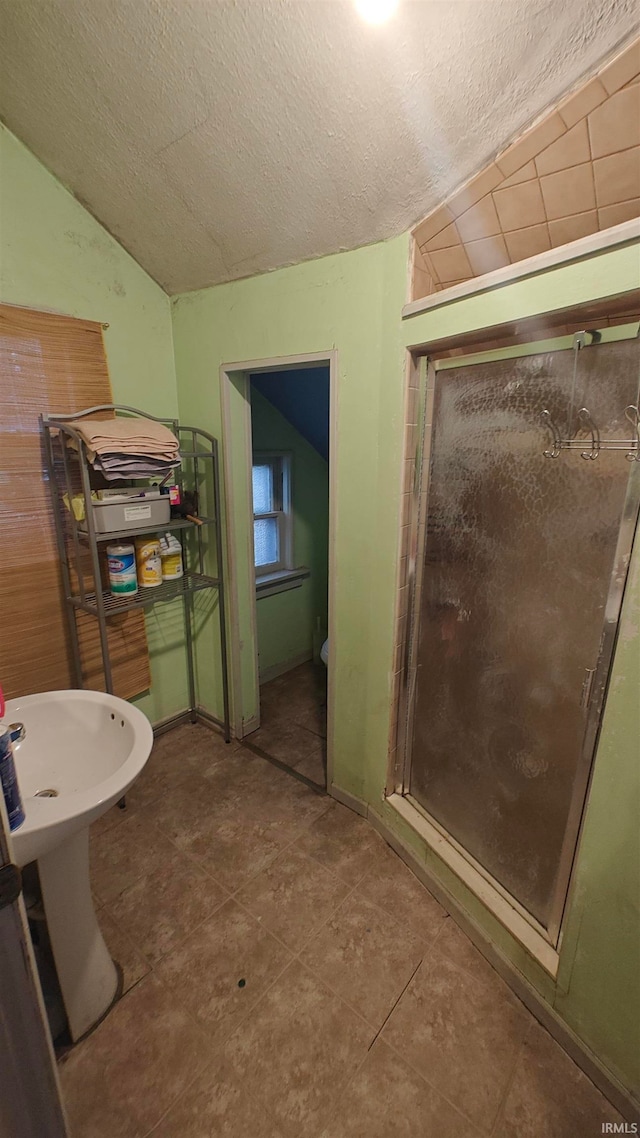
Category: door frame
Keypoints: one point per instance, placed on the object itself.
(542, 942)
(234, 378)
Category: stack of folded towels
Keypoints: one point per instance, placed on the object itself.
(129, 448)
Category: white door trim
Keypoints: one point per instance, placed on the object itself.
(236, 501)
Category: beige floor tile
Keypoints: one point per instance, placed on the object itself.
(343, 843)
(393, 887)
(272, 796)
(297, 1051)
(293, 896)
(107, 821)
(217, 1106)
(313, 717)
(176, 754)
(314, 767)
(551, 1096)
(291, 693)
(304, 804)
(122, 855)
(293, 708)
(160, 774)
(462, 1034)
(286, 741)
(253, 789)
(231, 772)
(386, 1099)
(305, 686)
(164, 906)
(236, 821)
(125, 953)
(127, 1074)
(284, 1056)
(365, 956)
(456, 946)
(236, 850)
(220, 972)
(188, 810)
(201, 745)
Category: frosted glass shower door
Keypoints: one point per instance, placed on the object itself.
(518, 559)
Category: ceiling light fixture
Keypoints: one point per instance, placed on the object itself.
(376, 11)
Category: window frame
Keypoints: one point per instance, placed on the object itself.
(281, 464)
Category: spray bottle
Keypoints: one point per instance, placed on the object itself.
(8, 778)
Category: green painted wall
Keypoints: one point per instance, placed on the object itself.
(599, 982)
(352, 302)
(343, 302)
(286, 621)
(54, 255)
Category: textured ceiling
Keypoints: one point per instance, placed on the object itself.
(220, 139)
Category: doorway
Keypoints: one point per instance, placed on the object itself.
(529, 509)
(279, 428)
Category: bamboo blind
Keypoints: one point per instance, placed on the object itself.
(48, 364)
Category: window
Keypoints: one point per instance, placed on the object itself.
(272, 518)
(49, 364)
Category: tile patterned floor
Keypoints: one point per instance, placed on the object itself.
(286, 976)
(293, 715)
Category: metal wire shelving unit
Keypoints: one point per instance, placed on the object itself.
(79, 548)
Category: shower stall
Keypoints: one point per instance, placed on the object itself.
(525, 509)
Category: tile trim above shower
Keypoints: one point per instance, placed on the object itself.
(574, 173)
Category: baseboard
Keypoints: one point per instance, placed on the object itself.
(170, 721)
(606, 1082)
(275, 670)
(350, 800)
(199, 716)
(603, 1079)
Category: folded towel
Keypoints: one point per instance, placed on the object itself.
(128, 448)
(116, 466)
(142, 435)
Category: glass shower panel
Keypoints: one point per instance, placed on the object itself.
(518, 558)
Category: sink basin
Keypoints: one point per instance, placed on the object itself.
(87, 748)
(80, 754)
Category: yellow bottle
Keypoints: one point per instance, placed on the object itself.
(171, 554)
(148, 562)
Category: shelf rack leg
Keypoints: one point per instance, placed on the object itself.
(190, 668)
(97, 578)
(62, 554)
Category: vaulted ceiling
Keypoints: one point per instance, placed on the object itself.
(217, 139)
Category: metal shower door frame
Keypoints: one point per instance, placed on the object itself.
(627, 533)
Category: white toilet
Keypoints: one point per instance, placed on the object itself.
(324, 653)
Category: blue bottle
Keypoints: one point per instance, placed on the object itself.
(10, 788)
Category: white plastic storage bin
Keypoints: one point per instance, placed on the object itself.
(150, 513)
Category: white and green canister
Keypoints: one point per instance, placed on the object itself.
(121, 560)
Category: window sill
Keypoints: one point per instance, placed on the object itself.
(281, 581)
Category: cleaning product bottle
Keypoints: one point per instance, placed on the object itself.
(121, 561)
(171, 556)
(8, 777)
(148, 562)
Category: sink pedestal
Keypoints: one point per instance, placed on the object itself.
(86, 973)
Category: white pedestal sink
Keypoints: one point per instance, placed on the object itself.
(81, 752)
